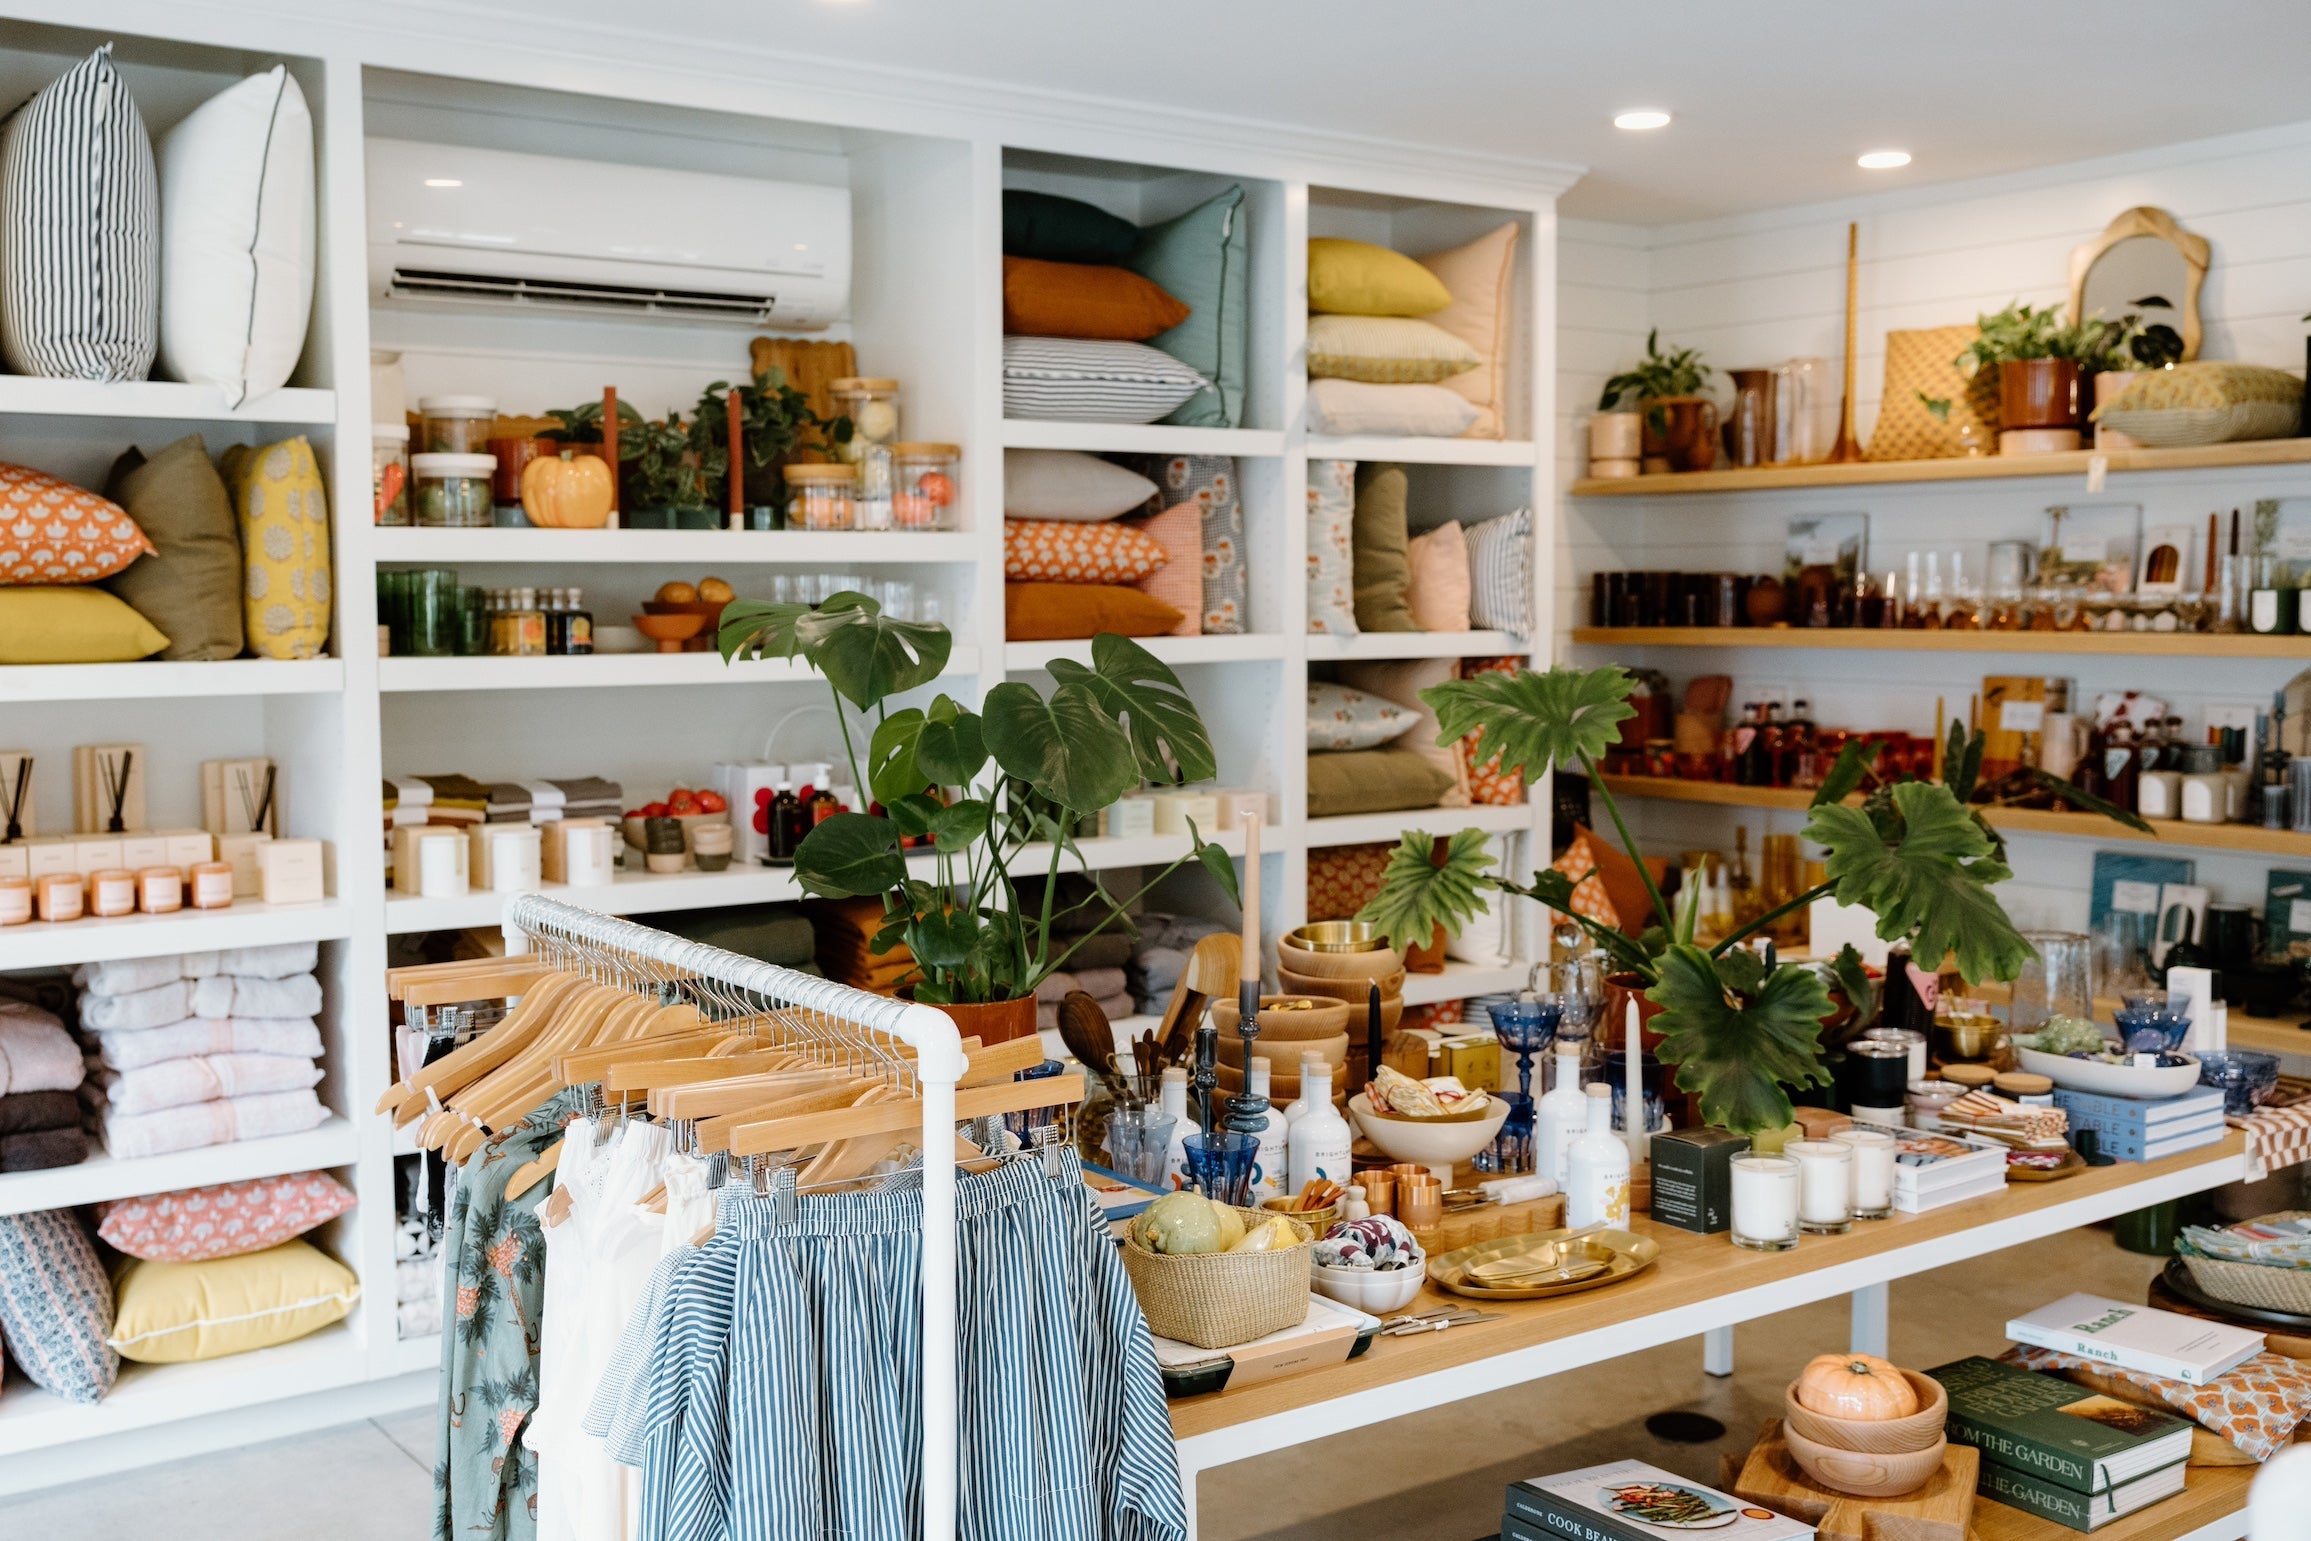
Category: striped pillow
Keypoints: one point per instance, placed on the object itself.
(1500, 565)
(1092, 382)
(56, 1305)
(79, 231)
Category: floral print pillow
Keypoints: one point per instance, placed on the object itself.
(1340, 718)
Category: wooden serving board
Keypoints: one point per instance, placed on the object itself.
(1939, 1511)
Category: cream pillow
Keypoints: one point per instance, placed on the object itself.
(1439, 592)
(1344, 407)
(2208, 402)
(1066, 484)
(1341, 718)
(1480, 276)
(1385, 350)
(1402, 681)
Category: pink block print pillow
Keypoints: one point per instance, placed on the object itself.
(226, 1220)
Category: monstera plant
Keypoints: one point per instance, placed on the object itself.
(1741, 1028)
(976, 791)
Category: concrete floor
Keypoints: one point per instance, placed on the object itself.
(1431, 1476)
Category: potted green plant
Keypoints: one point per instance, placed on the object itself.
(661, 484)
(982, 788)
(1679, 423)
(1429, 890)
(775, 421)
(2040, 358)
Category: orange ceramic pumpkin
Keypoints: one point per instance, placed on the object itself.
(1862, 1387)
(572, 492)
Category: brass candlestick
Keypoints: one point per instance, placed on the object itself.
(1847, 447)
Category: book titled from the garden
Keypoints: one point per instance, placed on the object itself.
(1631, 1501)
(2047, 1427)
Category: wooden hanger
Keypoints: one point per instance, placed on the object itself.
(480, 1054)
(471, 1112)
(807, 1129)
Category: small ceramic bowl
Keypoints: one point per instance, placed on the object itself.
(1429, 1142)
(1377, 1290)
(1860, 1473)
(1873, 1436)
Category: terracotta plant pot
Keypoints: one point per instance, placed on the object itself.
(994, 1022)
(1429, 959)
(1683, 429)
(2038, 393)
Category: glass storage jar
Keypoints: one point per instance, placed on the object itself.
(923, 487)
(389, 473)
(454, 425)
(819, 497)
(872, 405)
(453, 491)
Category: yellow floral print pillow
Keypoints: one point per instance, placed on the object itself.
(284, 513)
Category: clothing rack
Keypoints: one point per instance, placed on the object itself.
(939, 1063)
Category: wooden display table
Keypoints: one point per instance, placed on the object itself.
(1700, 1283)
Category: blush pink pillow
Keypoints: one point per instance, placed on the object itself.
(1439, 592)
(1179, 583)
(195, 1225)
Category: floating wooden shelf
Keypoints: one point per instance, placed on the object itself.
(2029, 821)
(2144, 643)
(1869, 473)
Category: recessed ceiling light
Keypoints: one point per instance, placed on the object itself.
(1883, 160)
(444, 182)
(1646, 117)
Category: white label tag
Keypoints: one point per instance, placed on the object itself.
(2135, 898)
(2299, 916)
(2097, 467)
(2022, 716)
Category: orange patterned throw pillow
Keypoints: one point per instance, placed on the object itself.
(1067, 551)
(195, 1225)
(52, 532)
(1343, 878)
(1488, 783)
(1591, 901)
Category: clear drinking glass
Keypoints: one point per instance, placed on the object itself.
(1136, 1138)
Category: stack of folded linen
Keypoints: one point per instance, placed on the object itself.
(202, 1048)
(416, 1281)
(40, 1070)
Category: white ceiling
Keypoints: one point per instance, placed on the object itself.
(1774, 98)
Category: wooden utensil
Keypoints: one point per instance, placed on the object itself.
(1084, 1028)
(1847, 446)
(1210, 975)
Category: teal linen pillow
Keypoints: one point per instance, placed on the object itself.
(1055, 229)
(1203, 259)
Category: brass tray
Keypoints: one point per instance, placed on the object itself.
(1612, 1255)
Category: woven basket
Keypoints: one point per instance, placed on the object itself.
(2252, 1284)
(1221, 1299)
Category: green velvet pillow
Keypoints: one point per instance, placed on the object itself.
(190, 587)
(1382, 551)
(1372, 781)
(1203, 260)
(1056, 229)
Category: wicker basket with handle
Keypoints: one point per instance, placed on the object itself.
(1221, 1299)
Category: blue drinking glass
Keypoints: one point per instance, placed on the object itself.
(1220, 1165)
(1511, 1152)
(1525, 1028)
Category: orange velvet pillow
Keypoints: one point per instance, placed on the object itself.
(52, 532)
(1071, 551)
(1078, 299)
(1179, 530)
(1059, 612)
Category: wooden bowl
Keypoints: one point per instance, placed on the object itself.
(1873, 1436)
(1321, 1018)
(1862, 1474)
(1375, 964)
(1333, 987)
(1282, 1089)
(1282, 1057)
(670, 631)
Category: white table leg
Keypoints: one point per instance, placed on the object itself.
(1717, 1351)
(1188, 1475)
(1868, 1334)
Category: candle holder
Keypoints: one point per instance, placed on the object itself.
(1220, 1165)
(1247, 1109)
(1649, 1079)
(1207, 1077)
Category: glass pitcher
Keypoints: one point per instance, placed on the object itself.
(1805, 411)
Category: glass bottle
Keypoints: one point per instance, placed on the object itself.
(528, 624)
(1749, 768)
(1268, 1164)
(1797, 743)
(1770, 738)
(580, 627)
(501, 627)
(2121, 766)
(1172, 1097)
(1318, 1141)
(1739, 882)
(1962, 604)
(1563, 1113)
(781, 835)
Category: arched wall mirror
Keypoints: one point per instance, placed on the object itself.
(2143, 257)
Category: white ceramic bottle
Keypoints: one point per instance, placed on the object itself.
(1320, 1140)
(1598, 1163)
(1172, 1097)
(1562, 1113)
(1299, 1105)
(1268, 1174)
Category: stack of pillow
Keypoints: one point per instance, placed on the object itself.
(40, 1071)
(1368, 753)
(202, 1048)
(1075, 566)
(1107, 322)
(1410, 346)
(1368, 572)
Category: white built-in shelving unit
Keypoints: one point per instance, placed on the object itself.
(926, 162)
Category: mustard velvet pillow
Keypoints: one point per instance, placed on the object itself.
(1059, 612)
(1480, 276)
(1357, 278)
(174, 1313)
(284, 513)
(72, 625)
(1383, 566)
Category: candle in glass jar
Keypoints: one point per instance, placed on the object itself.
(1825, 1204)
(1873, 1170)
(15, 901)
(160, 890)
(112, 892)
(212, 883)
(1765, 1194)
(60, 896)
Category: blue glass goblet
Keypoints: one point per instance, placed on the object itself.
(1220, 1165)
(1525, 1028)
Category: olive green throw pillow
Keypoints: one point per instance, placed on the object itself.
(1382, 554)
(190, 587)
(1202, 259)
(1372, 781)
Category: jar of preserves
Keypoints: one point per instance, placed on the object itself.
(923, 485)
(389, 473)
(453, 491)
(872, 405)
(819, 497)
(454, 425)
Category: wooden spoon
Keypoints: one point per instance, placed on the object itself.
(1210, 975)
(1084, 1028)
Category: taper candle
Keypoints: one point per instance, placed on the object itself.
(1251, 961)
(1634, 1119)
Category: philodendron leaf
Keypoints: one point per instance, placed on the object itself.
(1140, 691)
(891, 769)
(913, 814)
(1854, 978)
(756, 628)
(953, 746)
(1535, 722)
(1846, 772)
(1930, 885)
(943, 938)
(1417, 894)
(868, 656)
(1740, 1051)
(1217, 862)
(1067, 748)
(848, 855)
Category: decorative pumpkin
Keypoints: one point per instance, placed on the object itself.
(1862, 1387)
(571, 492)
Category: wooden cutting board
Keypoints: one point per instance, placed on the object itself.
(1939, 1511)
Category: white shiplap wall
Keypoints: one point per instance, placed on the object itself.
(1760, 288)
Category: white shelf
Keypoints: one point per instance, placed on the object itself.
(605, 671)
(1463, 979)
(1367, 828)
(1172, 650)
(1140, 438)
(735, 548)
(1425, 452)
(28, 396)
(414, 1354)
(335, 1143)
(247, 924)
(153, 681)
(1417, 644)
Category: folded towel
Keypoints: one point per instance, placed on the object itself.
(156, 1007)
(1104, 949)
(129, 1135)
(276, 960)
(126, 976)
(417, 1278)
(205, 1078)
(208, 1035)
(236, 995)
(406, 790)
(1114, 1007)
(1156, 970)
(1102, 982)
(43, 1149)
(30, 1112)
(418, 1318)
(37, 1054)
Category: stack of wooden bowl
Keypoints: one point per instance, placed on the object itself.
(1856, 1424)
(1342, 960)
(1292, 1027)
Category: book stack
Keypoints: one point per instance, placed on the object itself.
(1631, 1501)
(2144, 1129)
(1931, 1170)
(2062, 1453)
(2190, 1349)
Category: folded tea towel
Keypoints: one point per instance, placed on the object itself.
(156, 1007)
(274, 960)
(205, 1078)
(128, 1135)
(43, 1149)
(237, 995)
(417, 1278)
(126, 976)
(30, 1112)
(208, 1035)
(1159, 969)
(1116, 1007)
(418, 1318)
(1101, 982)
(37, 1054)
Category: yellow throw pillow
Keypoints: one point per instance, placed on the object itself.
(1480, 276)
(284, 511)
(174, 1313)
(1385, 350)
(72, 625)
(2208, 402)
(1357, 278)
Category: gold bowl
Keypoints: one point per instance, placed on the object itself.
(1337, 936)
